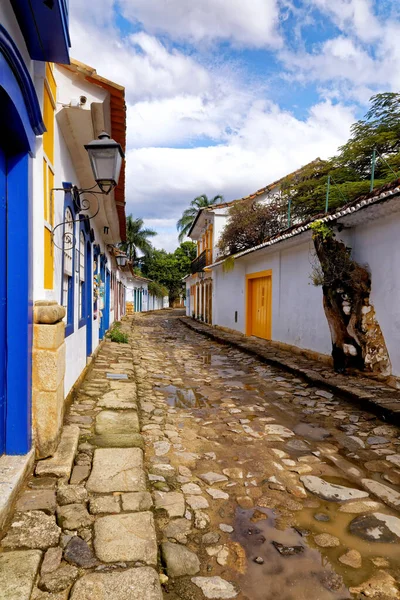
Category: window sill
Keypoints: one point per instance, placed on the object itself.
(69, 328)
(82, 323)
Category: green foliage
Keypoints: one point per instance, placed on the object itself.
(188, 216)
(136, 239)
(321, 229)
(249, 224)
(350, 170)
(116, 335)
(158, 290)
(168, 268)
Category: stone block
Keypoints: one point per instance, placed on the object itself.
(117, 470)
(13, 471)
(48, 314)
(48, 337)
(136, 584)
(111, 421)
(60, 465)
(126, 537)
(47, 416)
(48, 368)
(44, 500)
(18, 571)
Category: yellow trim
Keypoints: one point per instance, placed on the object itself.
(248, 302)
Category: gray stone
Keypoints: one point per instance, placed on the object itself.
(117, 470)
(73, 516)
(197, 502)
(191, 488)
(37, 500)
(212, 478)
(79, 553)
(52, 560)
(172, 502)
(381, 586)
(59, 580)
(79, 474)
(126, 537)
(377, 440)
(384, 493)
(215, 588)
(211, 538)
(352, 559)
(178, 530)
(201, 519)
(325, 540)
(104, 504)
(136, 501)
(60, 464)
(116, 404)
(217, 494)
(278, 430)
(376, 527)
(71, 494)
(395, 459)
(324, 394)
(118, 440)
(18, 571)
(226, 528)
(32, 529)
(111, 421)
(136, 584)
(360, 506)
(161, 448)
(330, 491)
(179, 560)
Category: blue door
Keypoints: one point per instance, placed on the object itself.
(103, 285)
(3, 299)
(107, 302)
(88, 298)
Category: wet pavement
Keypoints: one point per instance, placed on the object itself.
(302, 491)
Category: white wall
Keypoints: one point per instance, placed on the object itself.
(377, 245)
(298, 317)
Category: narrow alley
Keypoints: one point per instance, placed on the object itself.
(262, 486)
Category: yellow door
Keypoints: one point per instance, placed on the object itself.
(259, 307)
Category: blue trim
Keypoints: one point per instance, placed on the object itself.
(89, 298)
(15, 62)
(44, 25)
(70, 325)
(3, 300)
(103, 260)
(85, 227)
(19, 305)
(107, 303)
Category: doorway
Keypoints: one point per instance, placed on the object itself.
(259, 305)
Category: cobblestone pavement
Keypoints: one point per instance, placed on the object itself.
(253, 484)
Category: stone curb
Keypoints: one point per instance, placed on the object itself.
(385, 405)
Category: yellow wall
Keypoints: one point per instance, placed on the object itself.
(49, 105)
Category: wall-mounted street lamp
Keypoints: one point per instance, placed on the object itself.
(106, 157)
(121, 259)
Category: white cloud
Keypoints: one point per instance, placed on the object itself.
(354, 16)
(270, 144)
(140, 62)
(251, 23)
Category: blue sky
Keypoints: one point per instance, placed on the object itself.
(225, 96)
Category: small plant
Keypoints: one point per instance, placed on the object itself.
(321, 230)
(118, 336)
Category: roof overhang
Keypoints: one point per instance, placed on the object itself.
(44, 25)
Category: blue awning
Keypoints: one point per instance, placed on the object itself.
(44, 25)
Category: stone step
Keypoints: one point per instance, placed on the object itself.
(136, 584)
(18, 572)
(60, 465)
(13, 470)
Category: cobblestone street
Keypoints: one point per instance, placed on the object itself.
(252, 485)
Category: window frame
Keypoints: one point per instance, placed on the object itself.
(69, 326)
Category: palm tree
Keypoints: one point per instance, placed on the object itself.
(136, 239)
(188, 216)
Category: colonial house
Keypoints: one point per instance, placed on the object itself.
(60, 283)
(139, 295)
(270, 294)
(206, 231)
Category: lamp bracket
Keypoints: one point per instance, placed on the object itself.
(81, 204)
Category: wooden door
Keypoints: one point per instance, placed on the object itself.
(259, 306)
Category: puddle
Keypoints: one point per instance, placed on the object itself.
(182, 398)
(312, 432)
(302, 576)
